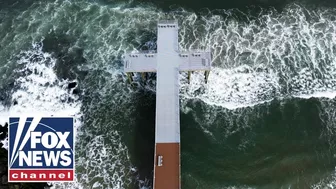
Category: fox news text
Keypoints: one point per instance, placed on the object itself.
(41, 149)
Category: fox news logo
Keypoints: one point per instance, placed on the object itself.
(41, 149)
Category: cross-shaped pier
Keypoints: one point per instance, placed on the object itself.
(167, 62)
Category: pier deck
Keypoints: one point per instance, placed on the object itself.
(168, 61)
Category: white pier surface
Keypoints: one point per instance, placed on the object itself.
(167, 85)
(168, 61)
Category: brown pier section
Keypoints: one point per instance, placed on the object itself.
(167, 172)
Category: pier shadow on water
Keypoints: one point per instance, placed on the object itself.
(142, 136)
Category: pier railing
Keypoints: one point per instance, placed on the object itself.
(167, 22)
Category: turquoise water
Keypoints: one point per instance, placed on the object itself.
(266, 119)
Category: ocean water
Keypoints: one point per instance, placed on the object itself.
(266, 118)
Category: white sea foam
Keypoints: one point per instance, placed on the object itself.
(103, 32)
(329, 182)
(277, 55)
(39, 91)
(3, 115)
(232, 88)
(287, 54)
